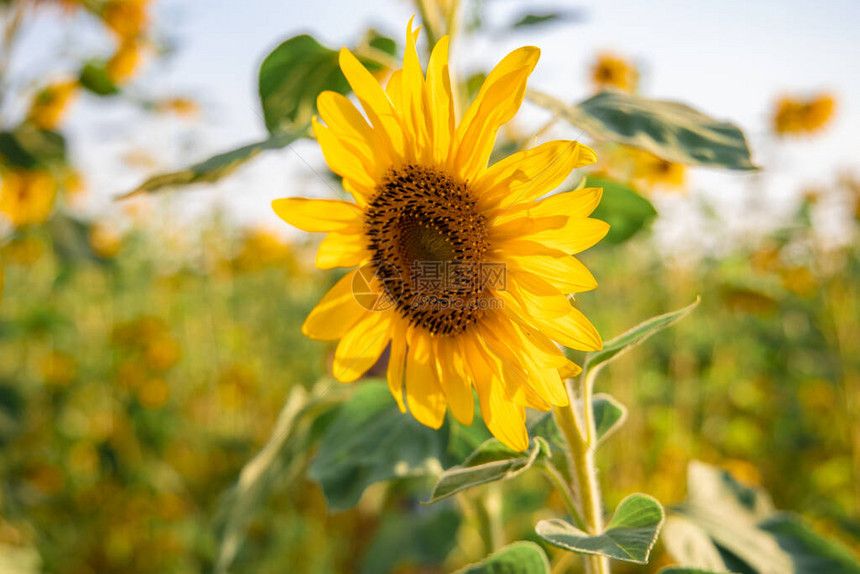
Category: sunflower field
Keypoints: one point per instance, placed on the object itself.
(443, 313)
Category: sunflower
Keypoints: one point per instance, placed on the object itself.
(655, 171)
(799, 116)
(610, 71)
(468, 266)
(27, 196)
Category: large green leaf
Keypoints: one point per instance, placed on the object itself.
(419, 538)
(372, 441)
(492, 461)
(690, 545)
(750, 534)
(671, 130)
(614, 348)
(214, 168)
(629, 536)
(32, 148)
(809, 552)
(623, 209)
(279, 461)
(296, 72)
(518, 558)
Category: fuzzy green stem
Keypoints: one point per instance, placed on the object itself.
(578, 430)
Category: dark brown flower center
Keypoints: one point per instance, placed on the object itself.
(428, 241)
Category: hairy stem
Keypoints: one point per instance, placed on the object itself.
(579, 432)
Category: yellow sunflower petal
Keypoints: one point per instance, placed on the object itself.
(576, 236)
(411, 104)
(424, 394)
(361, 346)
(577, 203)
(452, 377)
(397, 362)
(505, 419)
(496, 103)
(318, 214)
(347, 124)
(441, 100)
(563, 271)
(341, 250)
(345, 159)
(529, 174)
(374, 101)
(573, 330)
(336, 313)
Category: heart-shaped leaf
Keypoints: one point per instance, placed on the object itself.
(296, 72)
(492, 461)
(629, 536)
(517, 558)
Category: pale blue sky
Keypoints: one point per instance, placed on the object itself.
(730, 59)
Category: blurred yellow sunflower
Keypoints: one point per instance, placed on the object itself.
(797, 116)
(50, 104)
(27, 197)
(611, 71)
(461, 268)
(655, 171)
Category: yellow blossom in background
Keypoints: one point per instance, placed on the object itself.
(153, 393)
(59, 368)
(611, 71)
(23, 250)
(798, 116)
(126, 18)
(425, 199)
(184, 107)
(124, 63)
(50, 104)
(263, 248)
(162, 354)
(799, 280)
(27, 197)
(105, 240)
(654, 171)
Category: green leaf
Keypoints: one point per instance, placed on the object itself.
(809, 552)
(94, 78)
(71, 239)
(683, 570)
(609, 415)
(529, 20)
(518, 558)
(728, 512)
(214, 168)
(492, 461)
(372, 441)
(629, 536)
(616, 347)
(623, 209)
(751, 536)
(279, 461)
(689, 545)
(418, 538)
(32, 148)
(670, 130)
